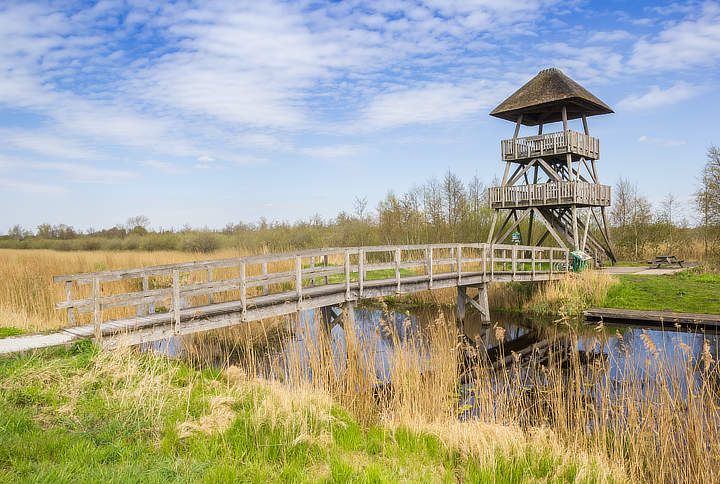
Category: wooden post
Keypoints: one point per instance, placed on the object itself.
(397, 270)
(532, 277)
(361, 270)
(429, 253)
(325, 264)
(514, 262)
(265, 287)
(347, 274)
(576, 242)
(567, 260)
(458, 263)
(517, 129)
(585, 125)
(176, 298)
(211, 299)
(551, 262)
(460, 306)
(97, 314)
(312, 269)
(71, 309)
(145, 287)
(298, 277)
(483, 302)
(243, 288)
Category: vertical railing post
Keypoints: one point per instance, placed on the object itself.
(567, 260)
(146, 308)
(361, 270)
(243, 288)
(266, 286)
(458, 262)
(483, 254)
(298, 277)
(533, 264)
(430, 266)
(211, 298)
(397, 270)
(492, 262)
(97, 314)
(514, 261)
(551, 262)
(176, 298)
(70, 309)
(325, 264)
(312, 269)
(347, 274)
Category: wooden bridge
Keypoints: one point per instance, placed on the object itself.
(126, 307)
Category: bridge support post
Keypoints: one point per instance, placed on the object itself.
(460, 308)
(483, 301)
(327, 318)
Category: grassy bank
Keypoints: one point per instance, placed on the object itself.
(692, 291)
(79, 415)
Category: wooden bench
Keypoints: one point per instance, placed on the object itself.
(666, 260)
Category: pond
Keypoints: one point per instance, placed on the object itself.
(513, 344)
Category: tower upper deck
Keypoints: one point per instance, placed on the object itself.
(550, 144)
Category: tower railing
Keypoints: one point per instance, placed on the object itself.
(552, 193)
(550, 144)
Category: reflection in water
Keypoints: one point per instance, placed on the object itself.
(513, 351)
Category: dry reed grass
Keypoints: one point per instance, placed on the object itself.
(571, 294)
(28, 294)
(645, 426)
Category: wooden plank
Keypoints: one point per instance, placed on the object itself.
(298, 278)
(97, 315)
(243, 288)
(176, 296)
(210, 279)
(68, 298)
(652, 318)
(398, 256)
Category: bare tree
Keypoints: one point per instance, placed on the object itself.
(707, 198)
(359, 207)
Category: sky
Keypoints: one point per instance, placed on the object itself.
(205, 113)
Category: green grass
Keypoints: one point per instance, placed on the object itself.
(687, 292)
(62, 421)
(5, 332)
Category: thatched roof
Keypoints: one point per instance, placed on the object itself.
(542, 98)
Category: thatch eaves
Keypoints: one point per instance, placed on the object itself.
(541, 100)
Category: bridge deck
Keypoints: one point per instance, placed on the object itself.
(187, 298)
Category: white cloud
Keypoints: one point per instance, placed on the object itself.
(29, 188)
(657, 96)
(334, 151)
(44, 143)
(83, 173)
(205, 159)
(694, 42)
(611, 36)
(431, 103)
(662, 141)
(165, 166)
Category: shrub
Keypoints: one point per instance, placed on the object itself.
(201, 242)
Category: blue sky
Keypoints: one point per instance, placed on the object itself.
(206, 113)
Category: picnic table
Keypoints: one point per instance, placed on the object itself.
(665, 259)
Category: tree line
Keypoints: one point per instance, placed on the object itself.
(439, 210)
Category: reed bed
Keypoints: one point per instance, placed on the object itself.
(28, 294)
(656, 421)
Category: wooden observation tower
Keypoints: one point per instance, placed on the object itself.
(552, 178)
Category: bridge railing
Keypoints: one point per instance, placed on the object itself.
(242, 282)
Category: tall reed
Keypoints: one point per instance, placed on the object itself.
(654, 421)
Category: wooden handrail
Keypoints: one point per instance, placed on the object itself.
(427, 262)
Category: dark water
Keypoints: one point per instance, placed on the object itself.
(640, 353)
